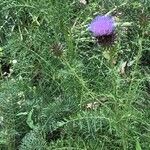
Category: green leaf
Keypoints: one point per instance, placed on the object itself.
(22, 114)
(106, 55)
(138, 147)
(1, 51)
(30, 121)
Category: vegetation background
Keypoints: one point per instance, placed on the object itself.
(60, 89)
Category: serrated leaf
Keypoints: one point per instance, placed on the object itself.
(33, 141)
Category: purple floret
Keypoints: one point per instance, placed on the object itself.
(102, 25)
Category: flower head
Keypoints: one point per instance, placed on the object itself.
(102, 26)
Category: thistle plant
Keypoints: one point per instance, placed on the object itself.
(61, 88)
(103, 28)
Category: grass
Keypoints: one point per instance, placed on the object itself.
(60, 89)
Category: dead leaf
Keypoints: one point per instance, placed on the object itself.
(92, 105)
(130, 63)
(83, 1)
(57, 49)
(122, 68)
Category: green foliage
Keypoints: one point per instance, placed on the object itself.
(59, 89)
(33, 140)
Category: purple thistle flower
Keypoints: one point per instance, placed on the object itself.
(102, 26)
